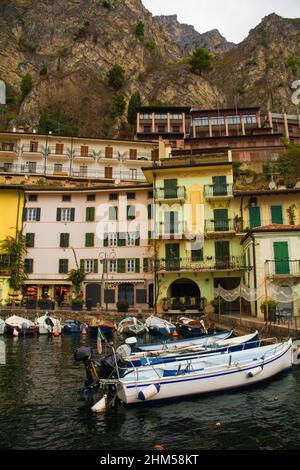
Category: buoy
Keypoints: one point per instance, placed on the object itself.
(175, 334)
(254, 372)
(83, 331)
(15, 332)
(148, 392)
(276, 398)
(159, 447)
(56, 332)
(218, 424)
(100, 406)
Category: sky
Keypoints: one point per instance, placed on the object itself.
(233, 18)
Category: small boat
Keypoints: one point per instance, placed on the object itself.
(72, 327)
(191, 327)
(173, 345)
(197, 376)
(48, 325)
(138, 359)
(131, 326)
(17, 325)
(107, 327)
(2, 326)
(159, 326)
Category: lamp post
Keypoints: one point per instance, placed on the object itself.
(104, 257)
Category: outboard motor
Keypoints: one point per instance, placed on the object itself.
(91, 384)
(109, 365)
(49, 323)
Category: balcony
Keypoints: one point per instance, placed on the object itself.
(283, 269)
(171, 231)
(208, 264)
(212, 191)
(219, 227)
(32, 151)
(170, 195)
(7, 150)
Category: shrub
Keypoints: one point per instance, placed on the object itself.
(200, 61)
(133, 105)
(106, 5)
(26, 85)
(270, 63)
(119, 105)
(57, 122)
(151, 44)
(25, 46)
(140, 29)
(43, 71)
(116, 77)
(292, 63)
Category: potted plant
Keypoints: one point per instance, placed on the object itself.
(272, 307)
(31, 304)
(77, 304)
(123, 306)
(215, 303)
(45, 304)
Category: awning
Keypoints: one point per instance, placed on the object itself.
(47, 282)
(125, 281)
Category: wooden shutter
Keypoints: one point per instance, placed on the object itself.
(59, 149)
(130, 212)
(105, 239)
(141, 296)
(90, 214)
(89, 239)
(30, 240)
(82, 264)
(281, 254)
(221, 220)
(64, 240)
(24, 215)
(137, 265)
(108, 152)
(145, 265)
(254, 215)
(133, 154)
(108, 172)
(219, 186)
(95, 265)
(121, 265)
(170, 188)
(84, 151)
(58, 214)
(72, 215)
(154, 155)
(38, 214)
(121, 239)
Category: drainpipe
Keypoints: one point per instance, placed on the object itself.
(155, 258)
(254, 267)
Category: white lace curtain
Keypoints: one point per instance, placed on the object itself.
(282, 295)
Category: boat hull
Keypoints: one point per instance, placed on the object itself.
(231, 377)
(30, 331)
(161, 331)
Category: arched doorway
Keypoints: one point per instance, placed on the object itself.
(185, 294)
(93, 293)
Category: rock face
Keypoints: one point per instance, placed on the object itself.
(187, 38)
(78, 41)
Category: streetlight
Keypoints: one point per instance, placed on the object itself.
(104, 257)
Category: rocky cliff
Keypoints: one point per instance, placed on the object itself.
(78, 41)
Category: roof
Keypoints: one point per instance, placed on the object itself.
(273, 228)
(65, 189)
(235, 111)
(157, 109)
(266, 192)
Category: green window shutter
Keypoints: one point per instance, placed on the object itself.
(121, 265)
(221, 220)
(137, 238)
(104, 262)
(82, 264)
(95, 265)
(121, 239)
(197, 255)
(64, 240)
(130, 212)
(219, 185)
(58, 214)
(170, 188)
(28, 265)
(30, 240)
(145, 265)
(90, 214)
(38, 214)
(113, 213)
(254, 216)
(63, 266)
(281, 254)
(137, 265)
(150, 236)
(24, 215)
(89, 239)
(105, 239)
(150, 211)
(276, 213)
(72, 215)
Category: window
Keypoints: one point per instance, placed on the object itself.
(66, 198)
(146, 116)
(161, 116)
(65, 215)
(89, 239)
(83, 170)
(91, 197)
(90, 214)
(176, 129)
(108, 172)
(108, 152)
(176, 117)
(130, 196)
(32, 197)
(150, 211)
(58, 167)
(161, 129)
(28, 265)
(112, 239)
(130, 265)
(131, 239)
(34, 146)
(217, 121)
(132, 154)
(33, 214)
(113, 197)
(201, 122)
(147, 129)
(63, 266)
(233, 119)
(89, 265)
(133, 173)
(112, 266)
(113, 213)
(7, 146)
(59, 149)
(32, 167)
(64, 240)
(130, 212)
(250, 119)
(30, 240)
(150, 194)
(84, 151)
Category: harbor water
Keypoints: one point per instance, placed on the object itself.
(39, 408)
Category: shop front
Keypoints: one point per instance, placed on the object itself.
(44, 295)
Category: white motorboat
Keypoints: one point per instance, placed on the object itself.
(47, 325)
(2, 326)
(17, 325)
(159, 326)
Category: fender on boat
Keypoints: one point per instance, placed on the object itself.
(253, 372)
(149, 392)
(100, 406)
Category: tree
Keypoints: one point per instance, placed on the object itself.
(201, 61)
(116, 77)
(26, 85)
(140, 29)
(289, 164)
(15, 249)
(76, 276)
(57, 122)
(134, 103)
(119, 105)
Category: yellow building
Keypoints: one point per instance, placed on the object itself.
(11, 208)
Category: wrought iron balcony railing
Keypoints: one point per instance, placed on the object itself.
(213, 190)
(284, 267)
(232, 263)
(163, 194)
(167, 229)
(219, 225)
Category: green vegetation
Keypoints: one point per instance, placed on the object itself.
(292, 63)
(151, 44)
(116, 77)
(289, 164)
(16, 249)
(270, 63)
(82, 32)
(106, 5)
(119, 105)
(26, 85)
(76, 276)
(134, 103)
(57, 122)
(25, 46)
(140, 29)
(201, 61)
(156, 102)
(292, 214)
(43, 71)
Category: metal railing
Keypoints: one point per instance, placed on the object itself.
(213, 190)
(232, 263)
(185, 303)
(166, 228)
(170, 194)
(219, 225)
(284, 267)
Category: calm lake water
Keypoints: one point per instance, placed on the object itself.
(39, 409)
